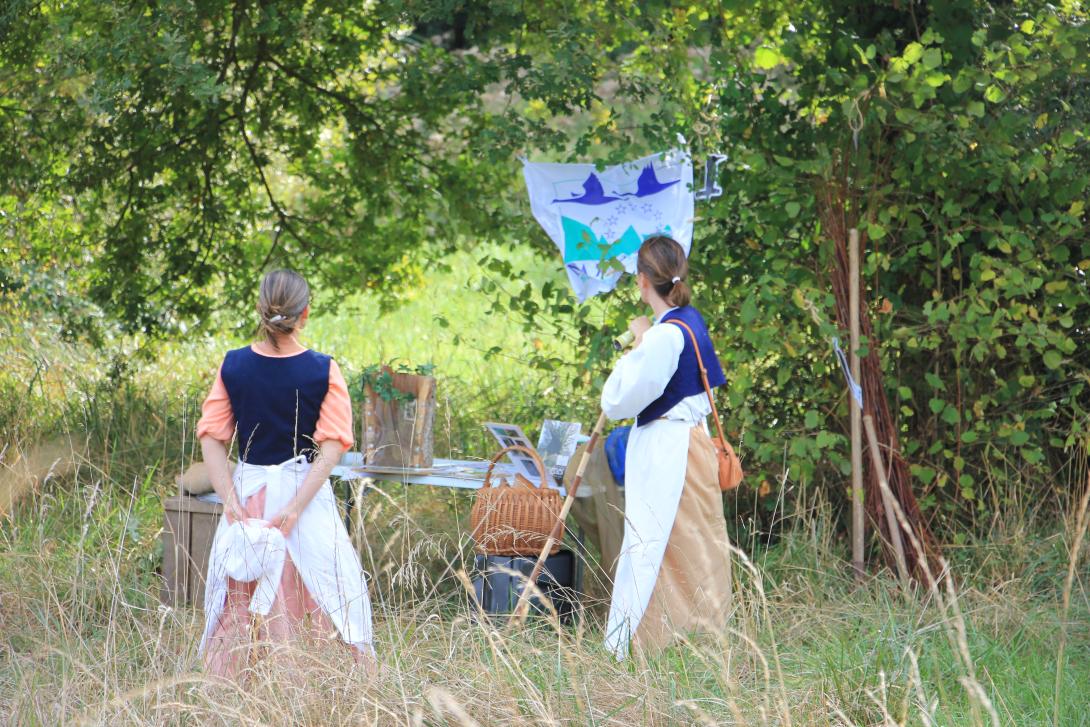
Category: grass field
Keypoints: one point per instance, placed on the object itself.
(84, 639)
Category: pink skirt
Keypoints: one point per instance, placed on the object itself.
(241, 638)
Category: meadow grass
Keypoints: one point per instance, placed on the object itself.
(85, 639)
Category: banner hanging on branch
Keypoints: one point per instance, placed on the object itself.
(599, 219)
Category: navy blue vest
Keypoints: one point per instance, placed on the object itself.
(686, 380)
(276, 402)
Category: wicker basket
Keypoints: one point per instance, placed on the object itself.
(515, 519)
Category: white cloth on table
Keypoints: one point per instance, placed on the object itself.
(318, 545)
(655, 463)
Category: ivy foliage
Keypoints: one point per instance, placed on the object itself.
(960, 134)
(957, 135)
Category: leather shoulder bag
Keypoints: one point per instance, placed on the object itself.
(730, 467)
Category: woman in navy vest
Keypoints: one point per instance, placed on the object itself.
(674, 571)
(288, 411)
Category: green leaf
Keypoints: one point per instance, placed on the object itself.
(748, 314)
(950, 415)
(923, 474)
(783, 375)
(994, 93)
(936, 79)
(792, 209)
(932, 58)
(936, 405)
(913, 52)
(1052, 359)
(1019, 437)
(767, 58)
(811, 419)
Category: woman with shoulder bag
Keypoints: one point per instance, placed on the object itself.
(674, 571)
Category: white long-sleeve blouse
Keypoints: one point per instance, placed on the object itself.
(641, 375)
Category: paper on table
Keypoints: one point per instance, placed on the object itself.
(557, 443)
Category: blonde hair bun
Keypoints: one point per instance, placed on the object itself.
(283, 297)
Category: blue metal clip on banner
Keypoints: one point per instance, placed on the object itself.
(854, 388)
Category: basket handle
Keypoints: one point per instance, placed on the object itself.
(515, 448)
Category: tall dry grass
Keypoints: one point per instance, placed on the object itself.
(84, 639)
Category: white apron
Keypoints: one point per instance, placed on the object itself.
(318, 545)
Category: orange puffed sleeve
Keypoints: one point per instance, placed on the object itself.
(335, 416)
(217, 418)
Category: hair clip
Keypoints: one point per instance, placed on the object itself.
(676, 280)
(277, 318)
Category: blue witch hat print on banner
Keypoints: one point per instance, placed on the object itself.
(599, 219)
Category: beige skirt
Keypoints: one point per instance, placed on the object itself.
(693, 591)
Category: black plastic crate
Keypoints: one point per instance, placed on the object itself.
(498, 589)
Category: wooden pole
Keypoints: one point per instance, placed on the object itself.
(523, 606)
(858, 521)
(887, 501)
(1072, 564)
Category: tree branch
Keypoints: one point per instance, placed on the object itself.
(346, 101)
(281, 213)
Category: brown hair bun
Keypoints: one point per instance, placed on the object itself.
(662, 260)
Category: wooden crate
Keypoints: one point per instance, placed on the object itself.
(399, 433)
(188, 530)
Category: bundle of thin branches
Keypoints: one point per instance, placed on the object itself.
(833, 206)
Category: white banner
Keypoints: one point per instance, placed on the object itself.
(600, 219)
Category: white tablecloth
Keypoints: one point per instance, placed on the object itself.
(453, 473)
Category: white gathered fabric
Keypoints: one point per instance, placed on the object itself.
(253, 551)
(655, 462)
(318, 545)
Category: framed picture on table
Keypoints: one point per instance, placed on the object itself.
(510, 435)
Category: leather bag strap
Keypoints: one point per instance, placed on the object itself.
(703, 375)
